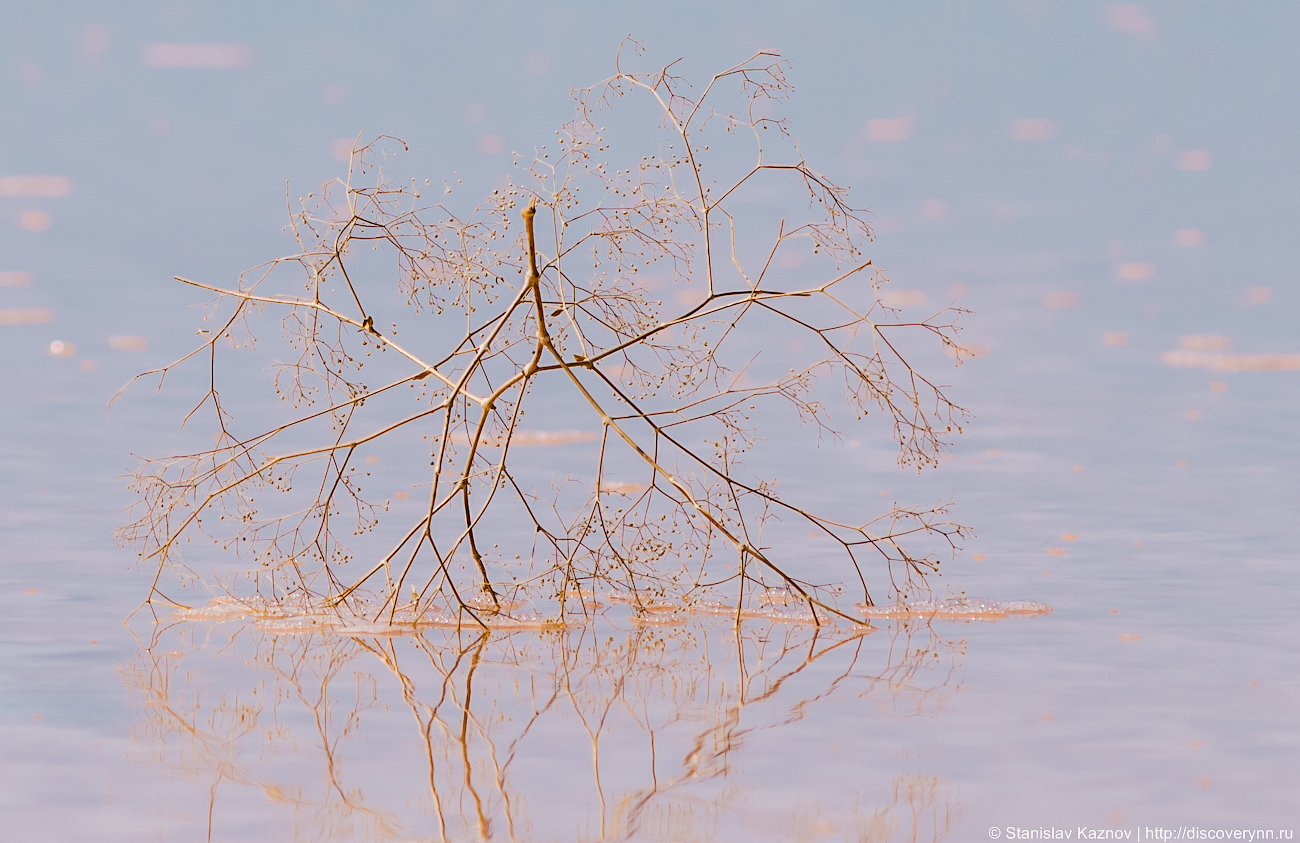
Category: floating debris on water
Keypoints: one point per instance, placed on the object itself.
(354, 616)
(955, 608)
(318, 615)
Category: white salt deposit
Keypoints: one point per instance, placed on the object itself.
(954, 608)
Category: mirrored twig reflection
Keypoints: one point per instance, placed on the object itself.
(608, 731)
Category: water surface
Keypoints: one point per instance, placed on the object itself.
(1150, 504)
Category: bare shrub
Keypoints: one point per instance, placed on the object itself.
(633, 291)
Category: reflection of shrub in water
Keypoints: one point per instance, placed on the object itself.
(590, 733)
(919, 811)
(577, 305)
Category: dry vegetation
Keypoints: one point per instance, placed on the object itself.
(616, 274)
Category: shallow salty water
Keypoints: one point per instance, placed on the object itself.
(1144, 207)
(663, 731)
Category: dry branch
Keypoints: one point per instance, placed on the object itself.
(496, 313)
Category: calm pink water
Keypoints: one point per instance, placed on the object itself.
(1097, 182)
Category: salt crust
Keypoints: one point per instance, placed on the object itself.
(314, 615)
(305, 616)
(955, 608)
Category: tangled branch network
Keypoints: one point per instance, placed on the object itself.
(633, 292)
